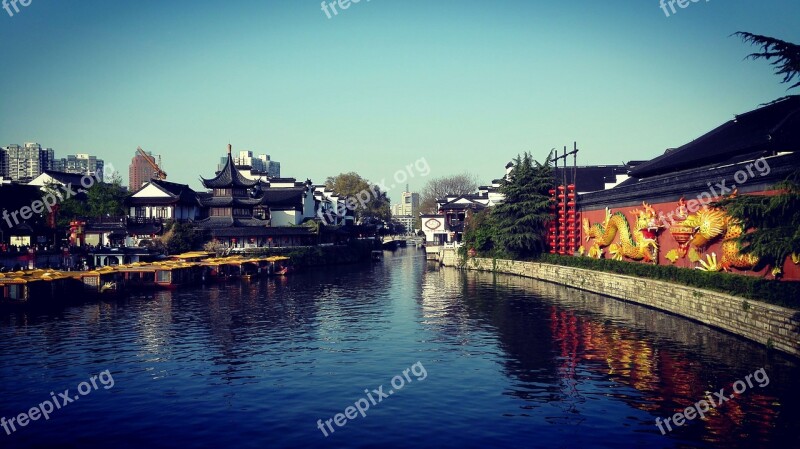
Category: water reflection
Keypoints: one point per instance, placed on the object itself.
(586, 340)
(512, 362)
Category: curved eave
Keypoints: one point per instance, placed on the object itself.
(229, 176)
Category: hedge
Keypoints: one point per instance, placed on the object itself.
(781, 293)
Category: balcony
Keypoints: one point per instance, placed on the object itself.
(455, 225)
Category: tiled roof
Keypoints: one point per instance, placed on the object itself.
(65, 178)
(772, 128)
(228, 177)
(276, 198)
(462, 206)
(229, 202)
(179, 193)
(182, 191)
(592, 178)
(132, 201)
(230, 222)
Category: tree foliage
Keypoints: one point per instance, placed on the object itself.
(351, 185)
(179, 238)
(436, 188)
(774, 221)
(521, 219)
(785, 56)
(68, 207)
(106, 199)
(517, 227)
(99, 200)
(479, 233)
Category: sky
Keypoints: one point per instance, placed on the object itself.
(393, 90)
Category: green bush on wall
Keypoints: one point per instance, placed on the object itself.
(782, 293)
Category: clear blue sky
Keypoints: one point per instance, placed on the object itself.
(465, 84)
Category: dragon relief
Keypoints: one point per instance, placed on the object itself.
(637, 244)
(710, 224)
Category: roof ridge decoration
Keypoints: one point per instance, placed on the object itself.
(229, 176)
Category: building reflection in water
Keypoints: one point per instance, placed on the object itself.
(666, 363)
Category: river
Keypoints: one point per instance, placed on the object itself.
(471, 360)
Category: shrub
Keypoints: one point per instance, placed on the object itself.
(782, 293)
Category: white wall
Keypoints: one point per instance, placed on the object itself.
(431, 230)
(151, 191)
(285, 217)
(309, 204)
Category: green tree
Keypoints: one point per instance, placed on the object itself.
(179, 238)
(67, 209)
(785, 56)
(521, 219)
(774, 220)
(479, 234)
(369, 200)
(106, 199)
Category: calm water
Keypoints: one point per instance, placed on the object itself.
(503, 362)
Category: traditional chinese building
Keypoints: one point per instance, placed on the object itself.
(663, 213)
(159, 200)
(239, 213)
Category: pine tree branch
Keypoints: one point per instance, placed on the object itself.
(785, 54)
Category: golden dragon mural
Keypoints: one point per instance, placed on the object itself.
(711, 224)
(637, 244)
(696, 231)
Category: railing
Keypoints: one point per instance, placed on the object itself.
(145, 220)
(458, 227)
(106, 220)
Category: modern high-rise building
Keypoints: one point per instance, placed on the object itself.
(79, 164)
(22, 163)
(409, 204)
(47, 157)
(254, 167)
(141, 170)
(407, 210)
(25, 162)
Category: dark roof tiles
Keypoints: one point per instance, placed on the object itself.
(771, 128)
(229, 177)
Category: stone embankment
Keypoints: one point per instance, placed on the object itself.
(774, 326)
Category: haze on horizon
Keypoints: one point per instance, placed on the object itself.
(467, 85)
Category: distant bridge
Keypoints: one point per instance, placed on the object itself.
(395, 241)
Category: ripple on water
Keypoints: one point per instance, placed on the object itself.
(510, 363)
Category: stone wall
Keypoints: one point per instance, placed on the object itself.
(448, 257)
(773, 326)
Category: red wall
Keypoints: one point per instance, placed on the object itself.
(667, 243)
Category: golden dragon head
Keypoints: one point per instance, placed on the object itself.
(644, 218)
